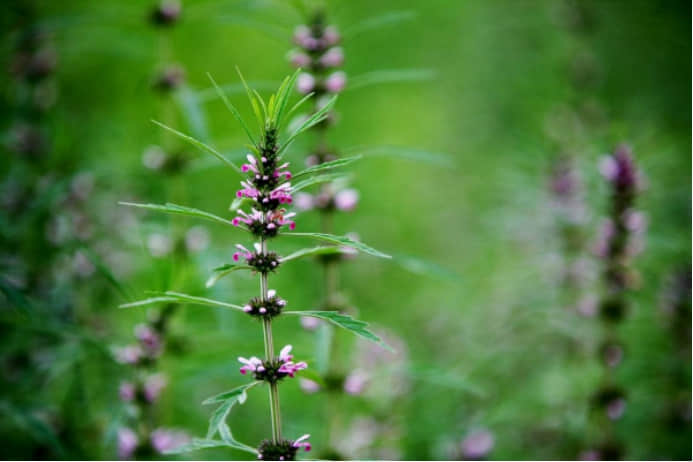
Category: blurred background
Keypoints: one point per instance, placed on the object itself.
(471, 117)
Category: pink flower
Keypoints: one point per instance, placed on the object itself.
(616, 408)
(129, 354)
(303, 201)
(346, 200)
(149, 339)
(309, 323)
(334, 57)
(164, 440)
(477, 444)
(253, 364)
(302, 442)
(335, 82)
(331, 36)
(309, 386)
(305, 83)
(126, 391)
(356, 382)
(127, 442)
(153, 386)
(299, 59)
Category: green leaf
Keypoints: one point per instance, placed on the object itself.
(299, 103)
(189, 104)
(314, 119)
(376, 22)
(225, 433)
(390, 76)
(199, 144)
(425, 268)
(403, 152)
(233, 88)
(316, 180)
(238, 392)
(232, 109)
(345, 322)
(238, 202)
(321, 250)
(326, 166)
(341, 240)
(253, 102)
(283, 96)
(170, 296)
(220, 273)
(196, 444)
(178, 210)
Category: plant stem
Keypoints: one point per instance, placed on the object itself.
(275, 413)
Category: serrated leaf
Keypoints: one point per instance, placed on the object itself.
(220, 273)
(345, 322)
(230, 394)
(326, 166)
(376, 22)
(232, 109)
(200, 145)
(170, 296)
(178, 210)
(342, 240)
(403, 152)
(318, 179)
(321, 250)
(390, 76)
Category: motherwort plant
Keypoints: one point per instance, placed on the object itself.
(621, 238)
(267, 190)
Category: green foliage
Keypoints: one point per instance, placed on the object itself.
(341, 240)
(179, 210)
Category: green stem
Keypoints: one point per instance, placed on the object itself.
(275, 412)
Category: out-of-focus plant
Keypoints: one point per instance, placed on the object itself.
(267, 191)
(620, 239)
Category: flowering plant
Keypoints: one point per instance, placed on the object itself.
(267, 190)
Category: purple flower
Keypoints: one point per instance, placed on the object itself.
(477, 445)
(149, 339)
(166, 13)
(264, 224)
(288, 366)
(299, 59)
(127, 442)
(127, 391)
(616, 408)
(128, 354)
(308, 386)
(309, 323)
(302, 442)
(346, 200)
(619, 168)
(262, 262)
(334, 57)
(356, 382)
(331, 35)
(272, 370)
(153, 386)
(305, 83)
(335, 82)
(303, 201)
(164, 440)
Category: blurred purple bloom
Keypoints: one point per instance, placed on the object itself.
(164, 440)
(335, 82)
(477, 445)
(346, 200)
(127, 442)
(355, 383)
(127, 391)
(153, 386)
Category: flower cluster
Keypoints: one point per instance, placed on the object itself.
(264, 224)
(284, 449)
(268, 307)
(621, 234)
(261, 261)
(160, 440)
(272, 370)
(329, 198)
(166, 13)
(318, 53)
(148, 347)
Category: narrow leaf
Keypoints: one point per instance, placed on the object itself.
(183, 298)
(326, 166)
(228, 269)
(234, 393)
(422, 267)
(199, 144)
(283, 96)
(232, 109)
(195, 445)
(403, 152)
(376, 22)
(322, 250)
(342, 240)
(316, 180)
(178, 210)
(390, 76)
(299, 103)
(344, 321)
(314, 119)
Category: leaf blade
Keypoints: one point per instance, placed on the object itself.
(342, 240)
(170, 296)
(178, 210)
(327, 166)
(232, 109)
